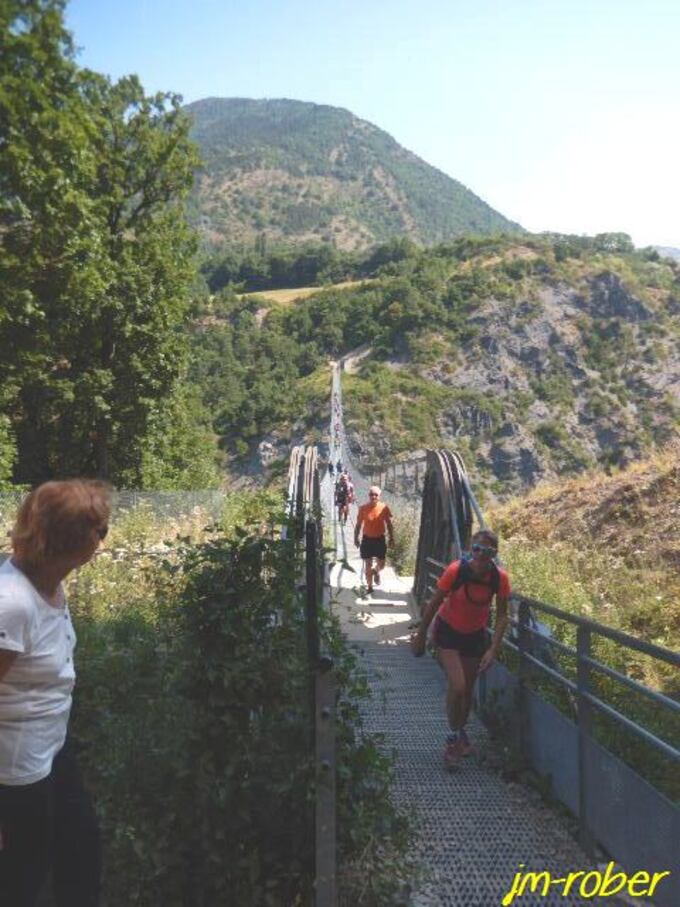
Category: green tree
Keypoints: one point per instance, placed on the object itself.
(96, 258)
(613, 242)
(7, 452)
(179, 447)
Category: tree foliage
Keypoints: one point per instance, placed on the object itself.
(96, 258)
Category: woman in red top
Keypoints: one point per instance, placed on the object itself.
(460, 606)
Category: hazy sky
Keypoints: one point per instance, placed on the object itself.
(561, 114)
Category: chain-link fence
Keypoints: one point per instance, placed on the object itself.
(160, 505)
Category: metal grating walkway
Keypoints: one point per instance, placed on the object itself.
(474, 829)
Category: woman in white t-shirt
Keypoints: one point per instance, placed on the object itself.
(47, 823)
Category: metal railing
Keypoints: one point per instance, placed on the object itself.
(589, 798)
(303, 511)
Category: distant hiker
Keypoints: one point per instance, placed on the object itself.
(330, 469)
(342, 498)
(350, 488)
(460, 607)
(374, 518)
(338, 467)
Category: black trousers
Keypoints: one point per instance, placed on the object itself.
(50, 828)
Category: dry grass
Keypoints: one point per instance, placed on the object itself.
(634, 513)
(607, 546)
(284, 297)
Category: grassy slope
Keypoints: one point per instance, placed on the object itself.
(607, 546)
(284, 297)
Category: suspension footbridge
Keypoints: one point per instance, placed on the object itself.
(475, 828)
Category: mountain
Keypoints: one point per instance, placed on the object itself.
(297, 172)
(668, 252)
(537, 357)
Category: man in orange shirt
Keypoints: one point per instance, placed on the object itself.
(460, 607)
(374, 517)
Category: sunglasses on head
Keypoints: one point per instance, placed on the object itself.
(483, 549)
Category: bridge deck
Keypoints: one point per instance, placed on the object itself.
(474, 828)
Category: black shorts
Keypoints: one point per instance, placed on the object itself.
(373, 548)
(471, 645)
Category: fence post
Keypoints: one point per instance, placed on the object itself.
(585, 723)
(312, 602)
(325, 894)
(523, 673)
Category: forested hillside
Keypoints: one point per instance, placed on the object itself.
(536, 358)
(287, 171)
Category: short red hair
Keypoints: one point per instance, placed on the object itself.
(56, 518)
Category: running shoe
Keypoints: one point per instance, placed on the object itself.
(452, 754)
(464, 743)
(376, 577)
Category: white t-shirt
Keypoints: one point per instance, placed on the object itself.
(35, 693)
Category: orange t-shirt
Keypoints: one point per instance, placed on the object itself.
(373, 517)
(467, 608)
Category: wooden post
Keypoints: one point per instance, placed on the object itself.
(325, 894)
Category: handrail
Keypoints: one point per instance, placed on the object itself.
(303, 509)
(647, 648)
(447, 499)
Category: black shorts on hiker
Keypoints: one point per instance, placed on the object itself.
(373, 548)
(471, 645)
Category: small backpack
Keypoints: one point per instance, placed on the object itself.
(465, 576)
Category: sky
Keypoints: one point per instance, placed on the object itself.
(561, 114)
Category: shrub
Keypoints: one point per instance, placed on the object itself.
(193, 708)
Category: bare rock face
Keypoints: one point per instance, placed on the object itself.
(610, 299)
(510, 461)
(566, 379)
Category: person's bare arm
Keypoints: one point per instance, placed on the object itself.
(6, 661)
(357, 528)
(419, 639)
(390, 531)
(498, 633)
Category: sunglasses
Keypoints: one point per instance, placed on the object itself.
(373, 495)
(102, 532)
(484, 549)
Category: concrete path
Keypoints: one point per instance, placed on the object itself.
(475, 830)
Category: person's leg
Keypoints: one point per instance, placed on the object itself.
(368, 572)
(380, 566)
(27, 830)
(77, 848)
(381, 554)
(452, 664)
(470, 670)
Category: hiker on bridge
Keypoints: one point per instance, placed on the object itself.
(374, 518)
(460, 608)
(344, 495)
